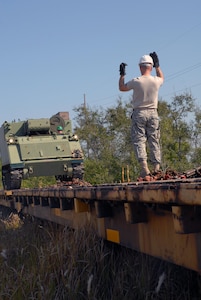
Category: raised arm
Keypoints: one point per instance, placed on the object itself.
(156, 65)
(122, 70)
(122, 86)
(159, 72)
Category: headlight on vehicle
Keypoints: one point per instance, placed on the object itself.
(74, 137)
(11, 140)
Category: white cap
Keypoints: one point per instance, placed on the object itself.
(146, 60)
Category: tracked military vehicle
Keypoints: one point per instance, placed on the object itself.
(40, 147)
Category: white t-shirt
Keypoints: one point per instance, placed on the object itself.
(145, 91)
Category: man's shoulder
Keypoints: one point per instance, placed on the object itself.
(157, 78)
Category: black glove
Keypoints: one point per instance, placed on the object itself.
(122, 69)
(155, 59)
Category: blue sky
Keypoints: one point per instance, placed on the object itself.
(53, 52)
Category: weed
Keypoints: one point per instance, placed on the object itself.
(44, 261)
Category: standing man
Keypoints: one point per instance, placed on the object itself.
(145, 120)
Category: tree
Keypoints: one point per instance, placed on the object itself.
(90, 129)
(196, 125)
(106, 142)
(105, 137)
(196, 134)
(118, 122)
(176, 131)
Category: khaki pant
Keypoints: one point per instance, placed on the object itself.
(146, 130)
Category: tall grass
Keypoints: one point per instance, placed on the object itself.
(46, 261)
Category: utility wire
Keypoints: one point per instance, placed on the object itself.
(186, 70)
(171, 76)
(180, 36)
(167, 78)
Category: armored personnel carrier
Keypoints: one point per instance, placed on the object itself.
(39, 147)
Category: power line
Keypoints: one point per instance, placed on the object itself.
(171, 76)
(167, 78)
(180, 36)
(181, 90)
(186, 70)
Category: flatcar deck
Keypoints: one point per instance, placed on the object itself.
(159, 218)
